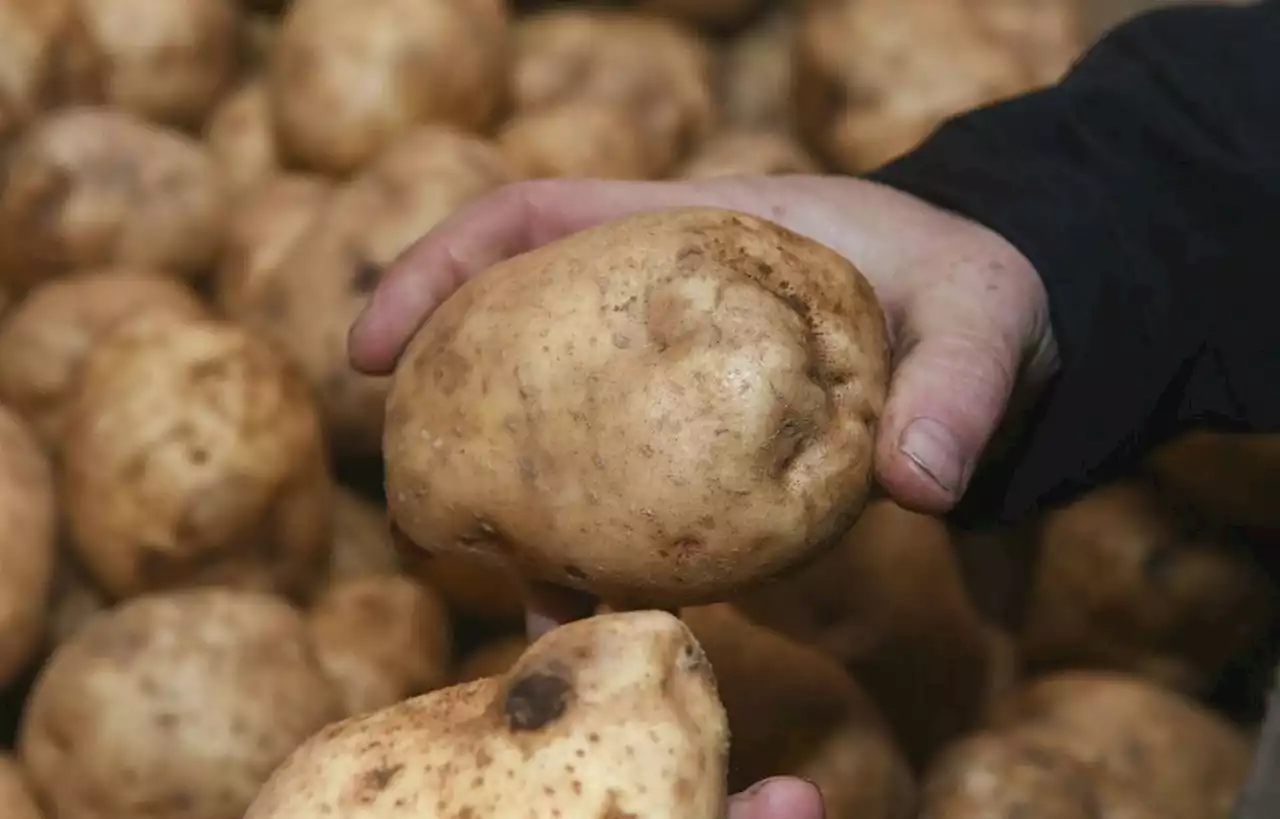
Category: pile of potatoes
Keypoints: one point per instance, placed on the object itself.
(238, 578)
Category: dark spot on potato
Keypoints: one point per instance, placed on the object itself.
(576, 785)
(687, 544)
(199, 455)
(593, 737)
(612, 811)
(365, 277)
(376, 780)
(535, 701)
(449, 370)
(575, 572)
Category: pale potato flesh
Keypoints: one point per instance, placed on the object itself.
(660, 409)
(748, 153)
(28, 528)
(44, 341)
(347, 80)
(193, 454)
(611, 716)
(308, 302)
(88, 187)
(15, 792)
(173, 706)
(381, 639)
(241, 137)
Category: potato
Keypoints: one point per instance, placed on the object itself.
(88, 187)
(793, 711)
(268, 222)
(30, 34)
(381, 639)
(347, 80)
(173, 705)
(491, 659)
(43, 343)
(736, 153)
(1182, 758)
(890, 603)
(578, 140)
(361, 538)
(241, 137)
(28, 527)
(660, 409)
(1123, 583)
(15, 792)
(473, 587)
(616, 715)
(755, 75)
(1046, 35)
(311, 299)
(711, 14)
(1224, 476)
(258, 37)
(164, 61)
(193, 454)
(994, 776)
(872, 78)
(75, 599)
(654, 71)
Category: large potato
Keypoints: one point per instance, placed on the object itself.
(653, 71)
(616, 715)
(578, 140)
(193, 454)
(43, 343)
(1228, 477)
(241, 137)
(361, 538)
(347, 79)
(87, 187)
(173, 706)
(662, 408)
(1186, 761)
(381, 639)
(28, 528)
(1123, 582)
(890, 603)
(793, 711)
(31, 32)
(1008, 776)
(15, 791)
(308, 303)
(747, 153)
(874, 77)
(266, 225)
(165, 61)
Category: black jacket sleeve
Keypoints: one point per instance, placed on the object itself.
(1145, 190)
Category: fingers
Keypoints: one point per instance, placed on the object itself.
(781, 797)
(548, 606)
(506, 223)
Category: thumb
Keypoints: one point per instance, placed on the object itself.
(950, 387)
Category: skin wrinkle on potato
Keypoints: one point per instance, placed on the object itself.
(28, 529)
(44, 342)
(711, 382)
(173, 705)
(193, 454)
(90, 186)
(612, 716)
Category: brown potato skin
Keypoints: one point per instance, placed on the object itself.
(1045, 35)
(30, 33)
(44, 341)
(1009, 776)
(308, 302)
(474, 588)
(266, 225)
(15, 792)
(362, 543)
(28, 528)
(241, 137)
(1227, 477)
(193, 454)
(381, 639)
(176, 704)
(612, 453)
(889, 602)
(578, 140)
(75, 599)
(166, 62)
(89, 187)
(748, 153)
(1184, 759)
(346, 80)
(1123, 582)
(793, 711)
(609, 716)
(709, 14)
(755, 75)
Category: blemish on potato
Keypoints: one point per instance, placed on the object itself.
(376, 780)
(536, 700)
(365, 278)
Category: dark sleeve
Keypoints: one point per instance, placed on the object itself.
(1145, 190)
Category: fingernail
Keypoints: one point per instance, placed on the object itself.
(933, 448)
(759, 786)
